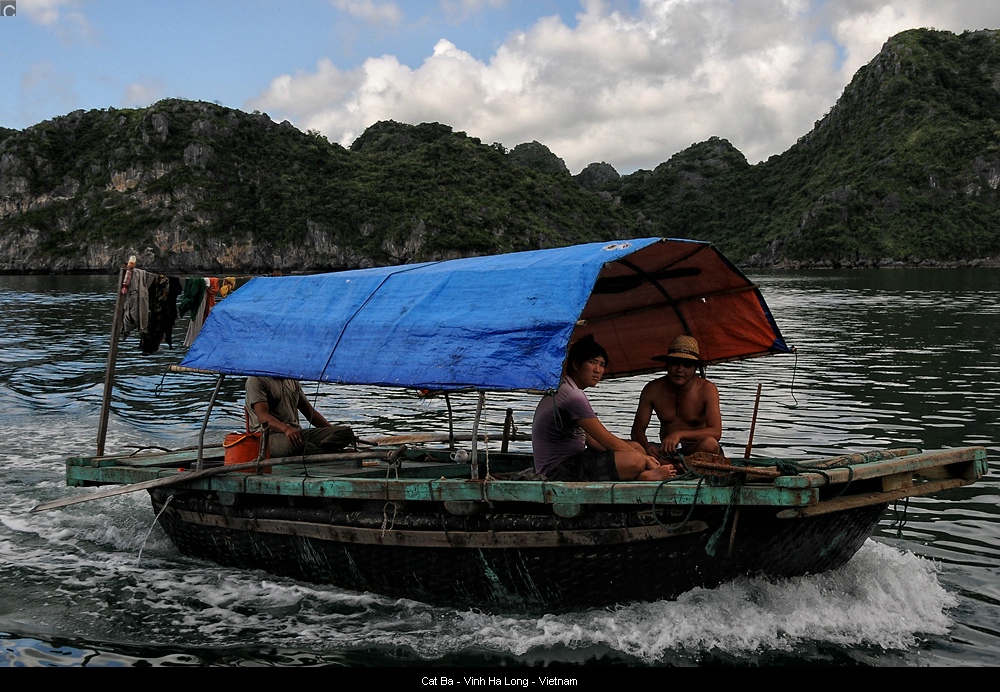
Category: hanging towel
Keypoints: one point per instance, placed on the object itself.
(199, 314)
(136, 315)
(191, 298)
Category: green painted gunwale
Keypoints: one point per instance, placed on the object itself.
(448, 482)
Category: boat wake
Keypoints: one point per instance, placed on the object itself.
(85, 561)
(883, 599)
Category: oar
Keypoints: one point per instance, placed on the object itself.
(417, 438)
(185, 476)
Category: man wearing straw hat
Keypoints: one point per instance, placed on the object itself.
(686, 404)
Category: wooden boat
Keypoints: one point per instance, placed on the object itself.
(421, 529)
(405, 520)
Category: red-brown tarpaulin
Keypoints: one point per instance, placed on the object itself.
(673, 287)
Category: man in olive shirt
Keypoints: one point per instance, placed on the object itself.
(278, 402)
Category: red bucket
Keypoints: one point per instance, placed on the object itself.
(243, 447)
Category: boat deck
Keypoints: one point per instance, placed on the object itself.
(813, 486)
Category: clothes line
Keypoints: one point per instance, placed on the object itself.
(146, 303)
(154, 302)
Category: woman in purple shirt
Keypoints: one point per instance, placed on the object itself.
(568, 440)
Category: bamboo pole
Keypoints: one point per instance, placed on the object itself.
(753, 424)
(124, 278)
(419, 438)
(200, 463)
(474, 461)
(451, 422)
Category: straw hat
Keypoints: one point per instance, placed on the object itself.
(682, 348)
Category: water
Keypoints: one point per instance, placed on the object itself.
(885, 358)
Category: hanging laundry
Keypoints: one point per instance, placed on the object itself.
(227, 287)
(136, 311)
(210, 287)
(211, 292)
(191, 299)
(163, 294)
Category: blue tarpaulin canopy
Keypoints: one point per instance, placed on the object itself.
(490, 323)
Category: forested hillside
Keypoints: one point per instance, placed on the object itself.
(191, 185)
(904, 168)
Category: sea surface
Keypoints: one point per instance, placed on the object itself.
(885, 358)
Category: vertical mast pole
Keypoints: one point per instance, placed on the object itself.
(124, 278)
(474, 461)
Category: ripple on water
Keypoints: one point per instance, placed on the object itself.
(878, 366)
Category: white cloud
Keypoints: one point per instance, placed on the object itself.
(62, 16)
(44, 88)
(45, 12)
(144, 92)
(628, 88)
(460, 10)
(379, 13)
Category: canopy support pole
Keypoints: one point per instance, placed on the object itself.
(200, 463)
(451, 422)
(124, 278)
(474, 461)
(508, 430)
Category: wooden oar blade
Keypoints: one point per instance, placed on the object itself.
(109, 492)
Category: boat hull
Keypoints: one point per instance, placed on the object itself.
(500, 561)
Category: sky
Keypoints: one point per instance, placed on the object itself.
(627, 82)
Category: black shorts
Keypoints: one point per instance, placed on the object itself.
(588, 465)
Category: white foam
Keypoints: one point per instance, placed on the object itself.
(883, 598)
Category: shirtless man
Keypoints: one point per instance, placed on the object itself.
(686, 404)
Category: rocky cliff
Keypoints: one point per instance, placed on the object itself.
(195, 186)
(904, 169)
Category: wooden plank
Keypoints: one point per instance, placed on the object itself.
(115, 475)
(624, 493)
(897, 481)
(443, 539)
(177, 478)
(688, 492)
(860, 457)
(327, 479)
(909, 463)
(365, 485)
(283, 470)
(314, 480)
(146, 458)
(844, 502)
